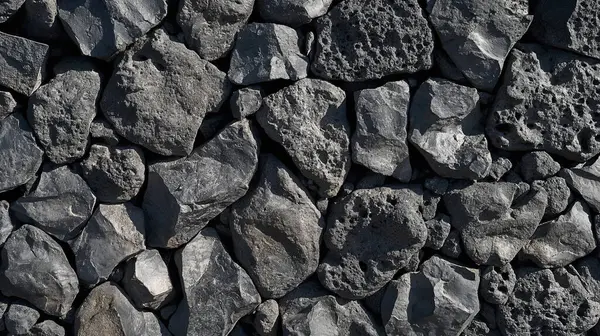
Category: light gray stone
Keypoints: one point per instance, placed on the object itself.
(47, 328)
(8, 104)
(292, 13)
(6, 223)
(20, 318)
(538, 166)
(22, 62)
(497, 284)
(8, 8)
(585, 179)
(266, 318)
(245, 101)
(559, 195)
(147, 281)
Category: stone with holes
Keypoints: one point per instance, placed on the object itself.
(292, 13)
(147, 281)
(497, 283)
(356, 267)
(22, 62)
(441, 299)
(538, 166)
(360, 40)
(152, 97)
(543, 104)
(585, 179)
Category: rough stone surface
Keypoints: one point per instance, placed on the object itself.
(309, 120)
(41, 20)
(35, 268)
(441, 299)
(548, 302)
(266, 318)
(100, 129)
(452, 246)
(147, 281)
(276, 230)
(497, 283)
(561, 241)
(22, 62)
(217, 291)
(379, 141)
(500, 166)
(245, 101)
(153, 99)
(20, 318)
(355, 267)
(115, 174)
(120, 226)
(47, 328)
(6, 223)
(495, 224)
(102, 29)
(585, 179)
(266, 51)
(438, 230)
(538, 166)
(8, 8)
(292, 13)
(542, 104)
(8, 104)
(184, 194)
(559, 195)
(357, 42)
(446, 126)
(478, 35)
(61, 113)
(210, 27)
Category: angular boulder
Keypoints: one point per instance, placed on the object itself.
(22, 63)
(147, 281)
(585, 179)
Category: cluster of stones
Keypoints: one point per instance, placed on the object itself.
(299, 167)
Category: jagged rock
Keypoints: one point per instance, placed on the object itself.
(35, 268)
(452, 247)
(266, 51)
(585, 179)
(107, 311)
(571, 24)
(41, 20)
(6, 223)
(147, 281)
(441, 299)
(60, 204)
(120, 226)
(357, 42)
(47, 328)
(478, 35)
(61, 112)
(20, 318)
(493, 221)
(312, 310)
(500, 166)
(266, 318)
(309, 120)
(115, 174)
(561, 241)
(152, 98)
(497, 284)
(446, 126)
(100, 129)
(588, 270)
(538, 166)
(22, 62)
(103, 29)
(245, 101)
(548, 302)
(184, 194)
(210, 27)
(292, 13)
(8, 104)
(542, 104)
(371, 234)
(379, 142)
(276, 230)
(217, 291)
(438, 230)
(559, 195)
(8, 8)
(21, 157)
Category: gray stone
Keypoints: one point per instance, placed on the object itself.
(309, 120)
(8, 8)
(585, 179)
(20, 318)
(115, 174)
(379, 142)
(438, 230)
(22, 62)
(357, 42)
(559, 195)
(107, 311)
(563, 240)
(210, 27)
(6, 223)
(478, 35)
(47, 328)
(3, 307)
(266, 318)
(41, 20)
(120, 226)
(245, 101)
(430, 205)
(103, 29)
(500, 166)
(538, 166)
(477, 327)
(147, 281)
(312, 310)
(35, 268)
(103, 131)
(588, 270)
(8, 104)
(493, 221)
(61, 112)
(446, 126)
(152, 98)
(542, 104)
(266, 51)
(292, 13)
(548, 302)
(497, 284)
(571, 24)
(371, 234)
(447, 67)
(441, 299)
(452, 246)
(276, 230)
(60, 203)
(21, 157)
(184, 194)
(217, 291)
